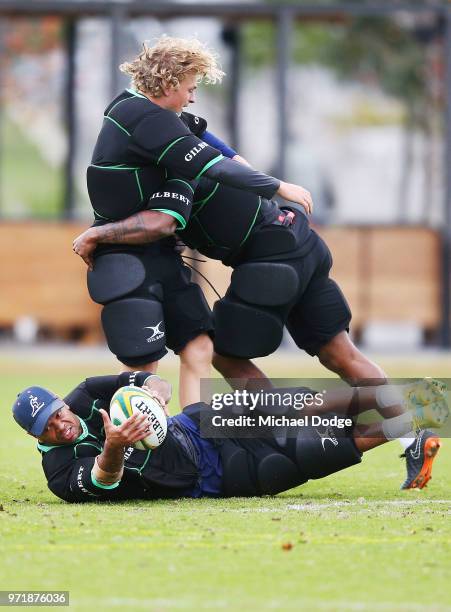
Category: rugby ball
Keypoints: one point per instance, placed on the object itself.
(129, 400)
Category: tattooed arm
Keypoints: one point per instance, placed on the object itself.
(146, 226)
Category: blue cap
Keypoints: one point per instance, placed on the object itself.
(33, 408)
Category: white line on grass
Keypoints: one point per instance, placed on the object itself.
(342, 504)
(350, 504)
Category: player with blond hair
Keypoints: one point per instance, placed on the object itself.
(148, 159)
(168, 62)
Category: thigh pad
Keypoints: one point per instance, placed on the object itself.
(265, 283)
(245, 331)
(115, 275)
(134, 329)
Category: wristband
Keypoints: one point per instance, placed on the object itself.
(103, 477)
(138, 378)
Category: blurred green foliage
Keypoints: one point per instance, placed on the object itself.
(30, 186)
(379, 51)
(375, 50)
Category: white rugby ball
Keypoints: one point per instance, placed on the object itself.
(129, 400)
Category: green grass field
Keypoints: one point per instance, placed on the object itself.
(357, 542)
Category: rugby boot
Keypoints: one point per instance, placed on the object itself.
(419, 457)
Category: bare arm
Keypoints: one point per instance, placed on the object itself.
(143, 227)
(110, 463)
(296, 193)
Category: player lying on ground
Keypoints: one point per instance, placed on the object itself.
(85, 457)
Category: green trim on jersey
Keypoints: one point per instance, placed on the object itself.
(211, 242)
(118, 125)
(93, 409)
(101, 216)
(170, 145)
(118, 167)
(102, 486)
(84, 433)
(174, 214)
(253, 222)
(145, 462)
(211, 163)
(96, 446)
(135, 93)
(45, 449)
(201, 203)
(82, 436)
(119, 102)
(181, 181)
(139, 185)
(126, 467)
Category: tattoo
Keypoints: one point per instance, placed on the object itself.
(146, 231)
(137, 229)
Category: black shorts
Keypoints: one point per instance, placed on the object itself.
(186, 311)
(314, 315)
(321, 311)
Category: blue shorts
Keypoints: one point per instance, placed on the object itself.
(210, 467)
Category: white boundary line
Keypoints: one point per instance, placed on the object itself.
(348, 504)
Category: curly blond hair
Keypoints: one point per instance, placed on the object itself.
(167, 63)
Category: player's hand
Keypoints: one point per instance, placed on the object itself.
(84, 245)
(296, 193)
(132, 430)
(161, 390)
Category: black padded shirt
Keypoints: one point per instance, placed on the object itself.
(169, 471)
(137, 133)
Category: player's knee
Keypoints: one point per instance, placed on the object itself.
(338, 353)
(198, 352)
(341, 356)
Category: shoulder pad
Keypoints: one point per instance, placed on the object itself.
(197, 125)
(129, 110)
(124, 95)
(158, 128)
